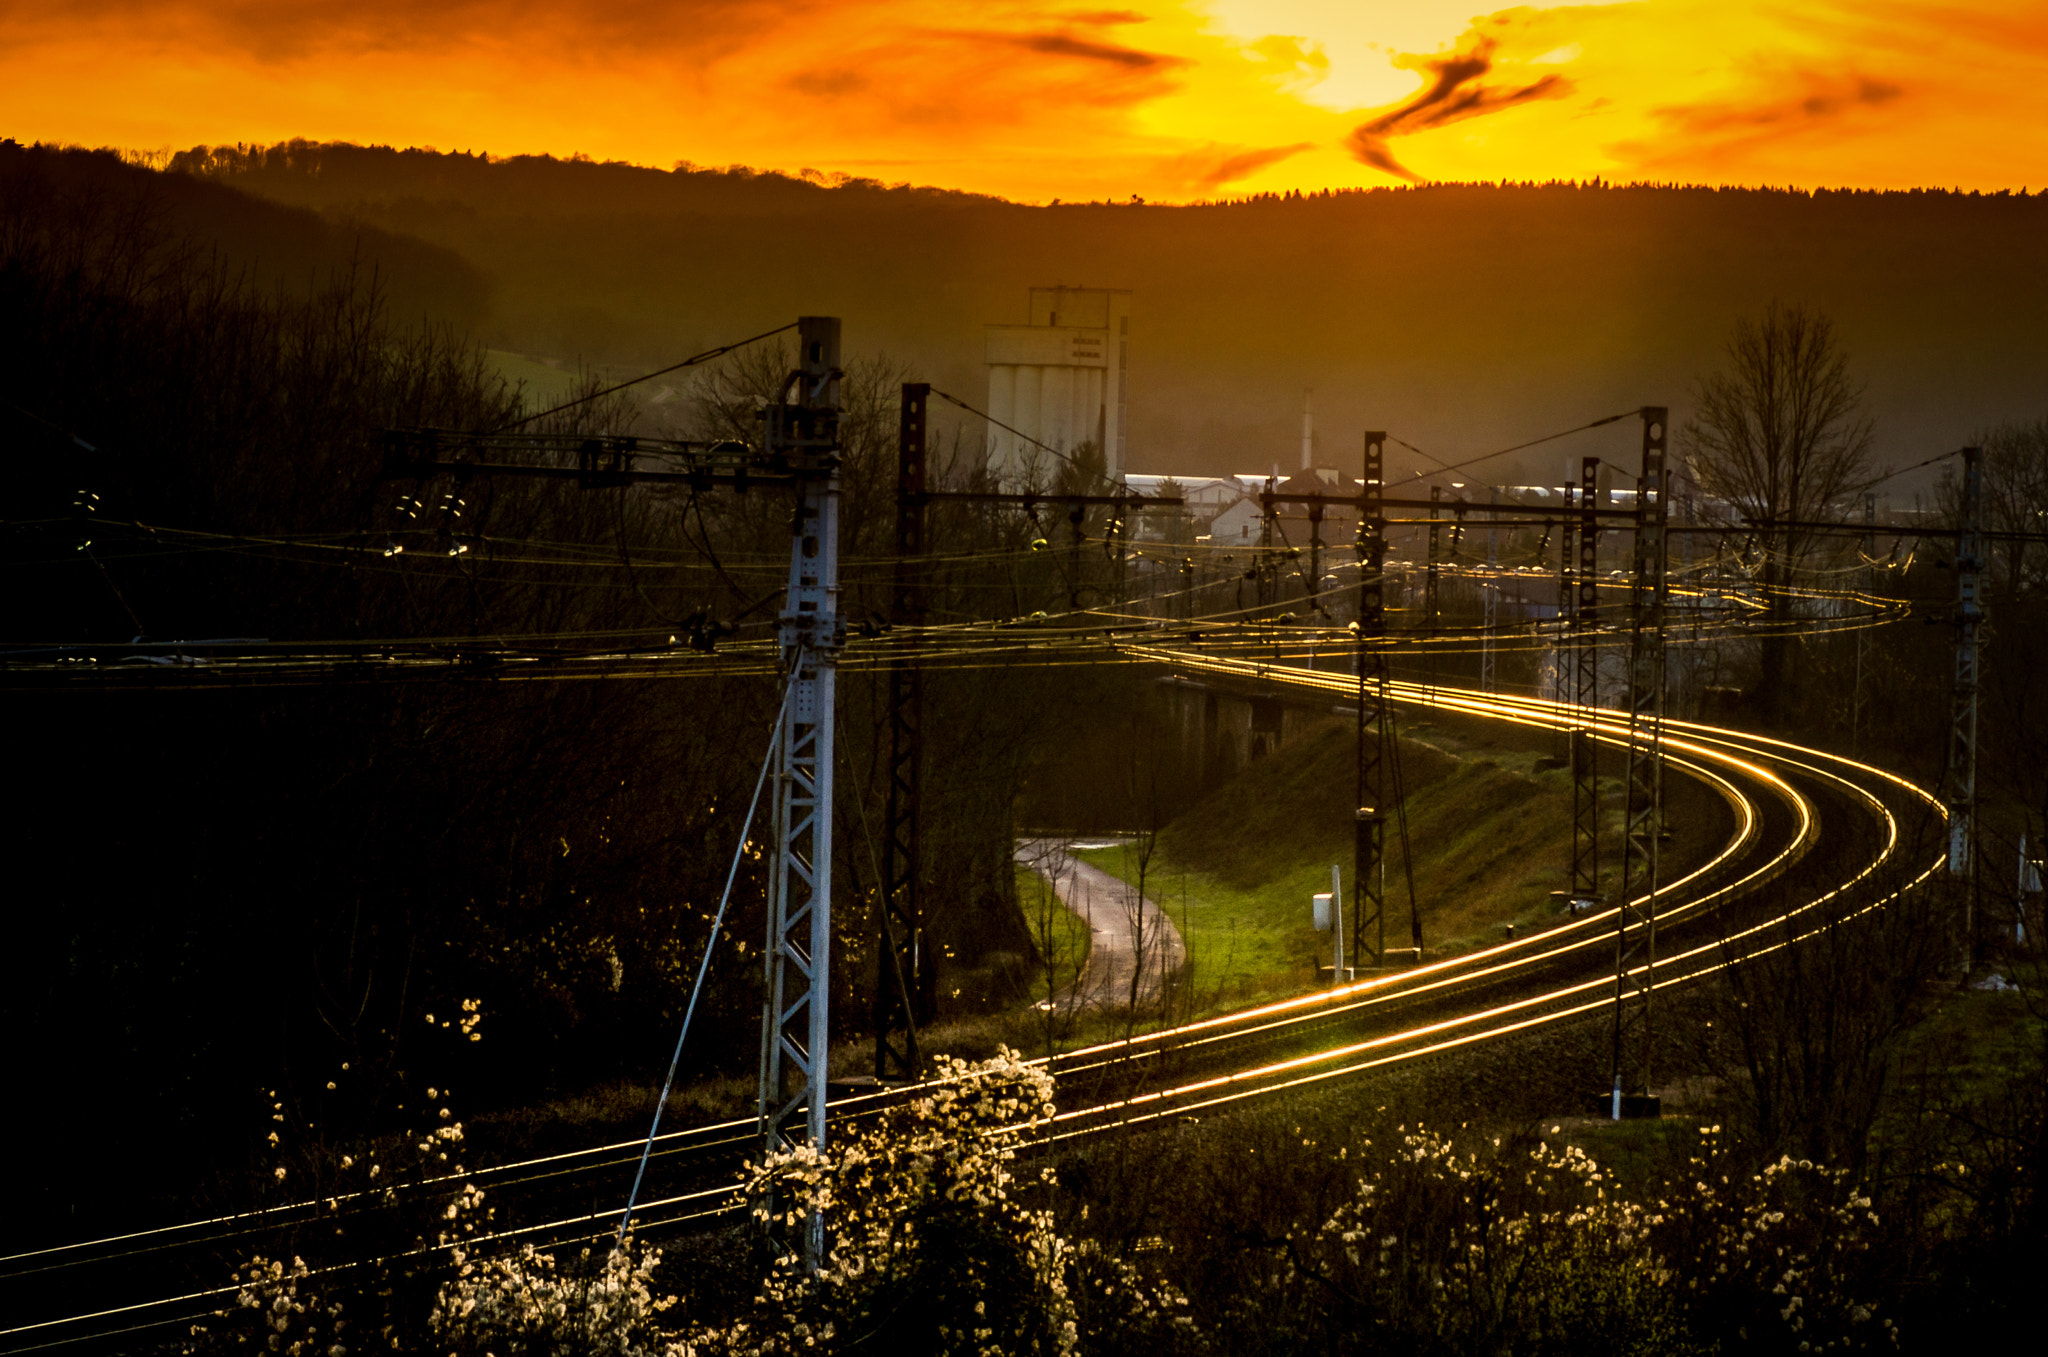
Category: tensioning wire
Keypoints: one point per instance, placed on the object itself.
(1098, 475)
(1489, 456)
(691, 361)
(710, 944)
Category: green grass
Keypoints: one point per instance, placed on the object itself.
(1060, 935)
(1236, 872)
(1246, 943)
(1970, 1052)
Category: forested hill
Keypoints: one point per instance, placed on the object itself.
(256, 240)
(1462, 317)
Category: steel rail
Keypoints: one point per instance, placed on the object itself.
(1718, 756)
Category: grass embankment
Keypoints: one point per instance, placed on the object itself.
(1237, 871)
(1060, 935)
(1979, 1056)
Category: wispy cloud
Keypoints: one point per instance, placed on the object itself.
(1821, 97)
(1777, 109)
(1213, 168)
(1037, 99)
(1067, 45)
(1457, 89)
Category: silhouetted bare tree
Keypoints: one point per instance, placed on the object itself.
(2015, 501)
(1777, 437)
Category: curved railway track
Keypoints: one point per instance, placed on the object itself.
(1842, 823)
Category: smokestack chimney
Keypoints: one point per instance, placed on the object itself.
(1308, 435)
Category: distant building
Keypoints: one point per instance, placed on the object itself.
(1201, 497)
(1239, 524)
(1060, 381)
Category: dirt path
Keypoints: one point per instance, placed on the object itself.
(1128, 934)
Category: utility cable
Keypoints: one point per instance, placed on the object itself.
(626, 559)
(1293, 553)
(704, 966)
(1915, 467)
(48, 423)
(1420, 453)
(1486, 457)
(1098, 475)
(711, 553)
(691, 361)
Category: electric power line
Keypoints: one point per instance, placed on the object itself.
(691, 361)
(1486, 457)
(1098, 475)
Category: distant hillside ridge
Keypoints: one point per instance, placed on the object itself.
(329, 172)
(272, 243)
(1459, 317)
(341, 174)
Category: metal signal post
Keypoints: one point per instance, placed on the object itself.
(1369, 863)
(1635, 943)
(1432, 574)
(803, 429)
(1865, 679)
(1564, 652)
(1489, 602)
(904, 980)
(800, 451)
(1585, 694)
(1960, 790)
(1267, 571)
(1312, 585)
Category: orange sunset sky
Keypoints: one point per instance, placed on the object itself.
(1166, 99)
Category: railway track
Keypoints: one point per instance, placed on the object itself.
(1842, 824)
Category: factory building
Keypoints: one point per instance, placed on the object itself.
(1059, 380)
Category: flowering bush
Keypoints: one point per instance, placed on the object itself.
(1775, 1260)
(276, 1310)
(1118, 1308)
(927, 1247)
(1485, 1249)
(1480, 1248)
(524, 1305)
(368, 1221)
(930, 1240)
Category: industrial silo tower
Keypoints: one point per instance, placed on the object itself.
(1060, 381)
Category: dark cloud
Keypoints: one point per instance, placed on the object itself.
(1457, 90)
(1104, 18)
(281, 30)
(1067, 45)
(1822, 99)
(1374, 151)
(583, 31)
(1728, 131)
(978, 77)
(1212, 169)
(832, 83)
